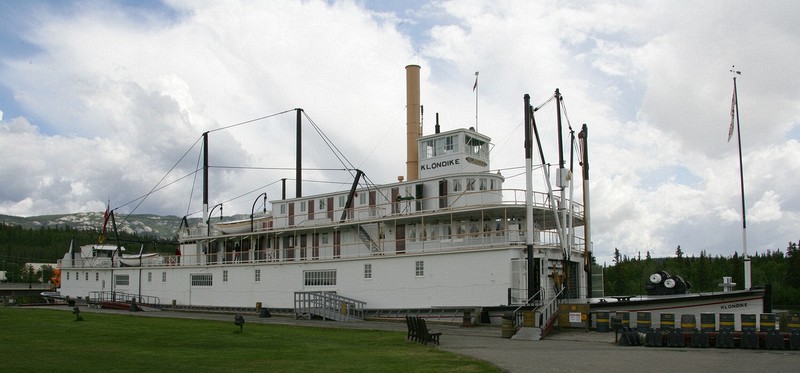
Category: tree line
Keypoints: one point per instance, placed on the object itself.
(19, 246)
(628, 276)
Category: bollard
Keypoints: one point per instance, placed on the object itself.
(699, 339)
(725, 339)
(773, 340)
(749, 339)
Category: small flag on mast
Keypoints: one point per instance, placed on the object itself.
(475, 86)
(105, 223)
(733, 114)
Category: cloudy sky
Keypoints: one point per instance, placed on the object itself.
(99, 100)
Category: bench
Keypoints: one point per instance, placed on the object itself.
(419, 332)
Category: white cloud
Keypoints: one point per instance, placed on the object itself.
(113, 96)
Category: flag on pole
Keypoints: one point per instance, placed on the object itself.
(105, 223)
(733, 114)
(475, 86)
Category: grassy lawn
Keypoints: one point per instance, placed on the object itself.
(51, 340)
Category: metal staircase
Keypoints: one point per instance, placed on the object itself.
(367, 240)
(327, 305)
(535, 321)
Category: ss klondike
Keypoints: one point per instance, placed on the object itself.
(448, 235)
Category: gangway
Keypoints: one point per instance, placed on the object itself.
(328, 305)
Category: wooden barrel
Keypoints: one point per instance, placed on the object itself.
(794, 322)
(626, 318)
(708, 322)
(601, 319)
(667, 321)
(767, 322)
(643, 321)
(688, 323)
(748, 322)
(727, 321)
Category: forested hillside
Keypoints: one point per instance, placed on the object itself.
(780, 268)
(20, 245)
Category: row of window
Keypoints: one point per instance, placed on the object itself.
(473, 183)
(325, 277)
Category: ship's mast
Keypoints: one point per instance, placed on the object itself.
(533, 273)
(583, 138)
(205, 177)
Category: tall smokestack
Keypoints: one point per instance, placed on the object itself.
(413, 125)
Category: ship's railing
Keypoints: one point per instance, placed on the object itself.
(499, 238)
(453, 202)
(120, 297)
(545, 314)
(329, 305)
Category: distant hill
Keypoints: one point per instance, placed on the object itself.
(155, 226)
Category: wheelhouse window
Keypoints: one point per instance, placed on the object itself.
(470, 183)
(476, 147)
(325, 277)
(456, 185)
(202, 279)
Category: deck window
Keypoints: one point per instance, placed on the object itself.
(149, 276)
(456, 185)
(121, 280)
(97, 276)
(367, 271)
(326, 277)
(419, 268)
(225, 275)
(258, 275)
(202, 279)
(283, 208)
(470, 183)
(163, 276)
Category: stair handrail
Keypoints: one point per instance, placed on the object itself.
(329, 305)
(546, 311)
(517, 314)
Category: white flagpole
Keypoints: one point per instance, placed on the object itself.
(475, 88)
(747, 273)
